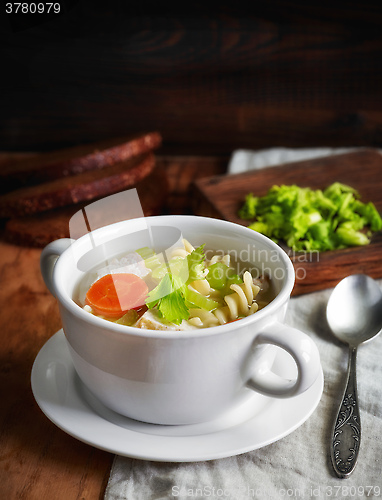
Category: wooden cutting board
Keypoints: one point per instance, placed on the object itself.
(222, 196)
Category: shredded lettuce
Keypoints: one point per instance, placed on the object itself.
(312, 220)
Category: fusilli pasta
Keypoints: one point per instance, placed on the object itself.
(240, 302)
(202, 318)
(181, 251)
(201, 286)
(225, 259)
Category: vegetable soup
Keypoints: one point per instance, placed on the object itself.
(192, 288)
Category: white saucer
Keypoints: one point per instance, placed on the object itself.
(68, 404)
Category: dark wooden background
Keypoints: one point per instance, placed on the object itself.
(210, 77)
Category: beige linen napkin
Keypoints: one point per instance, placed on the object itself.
(297, 466)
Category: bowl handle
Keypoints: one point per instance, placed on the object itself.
(304, 352)
(48, 260)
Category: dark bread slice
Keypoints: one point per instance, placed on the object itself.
(57, 164)
(40, 229)
(76, 188)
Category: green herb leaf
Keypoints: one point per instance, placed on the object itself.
(172, 296)
(168, 296)
(196, 265)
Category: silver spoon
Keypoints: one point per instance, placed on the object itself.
(354, 314)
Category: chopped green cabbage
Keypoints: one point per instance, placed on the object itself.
(312, 220)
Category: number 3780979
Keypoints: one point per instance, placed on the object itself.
(32, 8)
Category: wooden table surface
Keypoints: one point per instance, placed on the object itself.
(38, 461)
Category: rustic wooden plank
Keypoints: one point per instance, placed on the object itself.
(222, 196)
(38, 460)
(210, 79)
(181, 172)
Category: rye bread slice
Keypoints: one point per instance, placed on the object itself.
(76, 160)
(40, 229)
(76, 188)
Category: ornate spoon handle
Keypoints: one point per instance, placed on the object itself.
(346, 435)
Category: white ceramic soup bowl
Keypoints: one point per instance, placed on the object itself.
(179, 377)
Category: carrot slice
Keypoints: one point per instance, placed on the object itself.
(114, 294)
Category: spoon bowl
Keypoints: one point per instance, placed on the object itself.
(354, 310)
(354, 314)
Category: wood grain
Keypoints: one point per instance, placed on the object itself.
(222, 196)
(181, 172)
(38, 461)
(210, 78)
